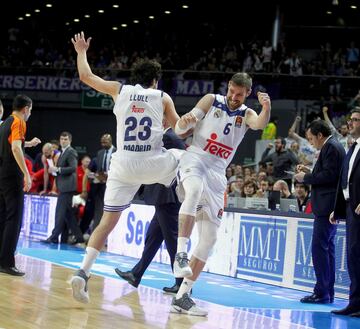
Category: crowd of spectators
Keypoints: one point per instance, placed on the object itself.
(276, 170)
(252, 56)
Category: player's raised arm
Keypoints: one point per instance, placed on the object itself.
(81, 46)
(255, 121)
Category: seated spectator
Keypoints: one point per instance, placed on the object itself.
(264, 187)
(268, 169)
(302, 193)
(261, 175)
(237, 171)
(42, 178)
(249, 189)
(235, 187)
(282, 186)
(229, 173)
(38, 162)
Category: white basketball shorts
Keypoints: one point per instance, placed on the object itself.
(128, 173)
(214, 180)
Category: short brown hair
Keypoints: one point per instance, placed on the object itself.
(242, 79)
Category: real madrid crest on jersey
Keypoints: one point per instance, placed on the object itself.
(217, 113)
(238, 121)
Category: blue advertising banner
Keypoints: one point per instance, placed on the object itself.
(304, 274)
(39, 215)
(262, 247)
(43, 83)
(250, 246)
(192, 87)
(202, 87)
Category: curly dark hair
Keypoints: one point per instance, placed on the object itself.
(145, 71)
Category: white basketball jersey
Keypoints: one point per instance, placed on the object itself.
(139, 114)
(219, 133)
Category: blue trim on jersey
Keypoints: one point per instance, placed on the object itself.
(116, 208)
(225, 108)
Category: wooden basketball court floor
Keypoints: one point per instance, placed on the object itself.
(42, 299)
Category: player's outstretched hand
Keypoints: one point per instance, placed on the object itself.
(80, 43)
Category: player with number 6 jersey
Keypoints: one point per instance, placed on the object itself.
(219, 123)
(218, 134)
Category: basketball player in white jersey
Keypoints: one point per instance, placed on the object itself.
(139, 159)
(220, 123)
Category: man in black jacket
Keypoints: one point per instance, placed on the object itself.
(283, 160)
(66, 183)
(164, 224)
(347, 205)
(323, 180)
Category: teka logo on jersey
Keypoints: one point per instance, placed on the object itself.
(135, 109)
(216, 148)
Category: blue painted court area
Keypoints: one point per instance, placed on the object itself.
(270, 301)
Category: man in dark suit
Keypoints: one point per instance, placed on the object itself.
(323, 180)
(97, 172)
(347, 205)
(164, 224)
(66, 182)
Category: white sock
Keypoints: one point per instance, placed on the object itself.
(89, 259)
(182, 244)
(184, 288)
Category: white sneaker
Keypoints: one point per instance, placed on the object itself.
(181, 265)
(186, 305)
(79, 286)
